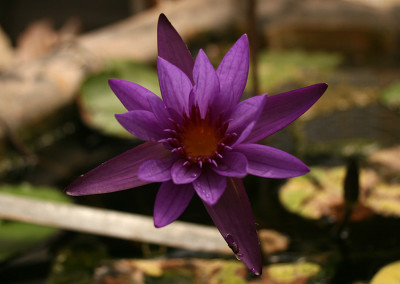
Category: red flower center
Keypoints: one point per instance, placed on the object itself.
(200, 140)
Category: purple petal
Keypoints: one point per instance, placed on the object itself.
(282, 109)
(233, 216)
(161, 113)
(232, 72)
(118, 173)
(270, 162)
(243, 135)
(142, 124)
(246, 112)
(233, 164)
(131, 95)
(172, 48)
(171, 201)
(174, 84)
(184, 174)
(209, 186)
(155, 170)
(206, 87)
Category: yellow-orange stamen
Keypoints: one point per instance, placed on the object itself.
(200, 140)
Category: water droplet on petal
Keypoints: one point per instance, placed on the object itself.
(255, 271)
(232, 244)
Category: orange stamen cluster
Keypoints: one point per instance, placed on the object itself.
(200, 140)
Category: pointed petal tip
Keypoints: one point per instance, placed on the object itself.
(162, 18)
(244, 37)
(325, 85)
(158, 224)
(318, 88)
(74, 189)
(256, 271)
(113, 83)
(68, 191)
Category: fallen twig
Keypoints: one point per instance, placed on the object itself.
(111, 223)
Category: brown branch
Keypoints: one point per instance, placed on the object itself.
(111, 223)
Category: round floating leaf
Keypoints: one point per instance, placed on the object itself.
(389, 274)
(98, 102)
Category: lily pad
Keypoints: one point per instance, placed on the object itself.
(385, 199)
(15, 236)
(314, 195)
(276, 68)
(320, 193)
(99, 104)
(389, 274)
(292, 272)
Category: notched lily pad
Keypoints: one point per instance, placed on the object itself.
(320, 193)
(99, 104)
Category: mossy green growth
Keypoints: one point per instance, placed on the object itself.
(99, 104)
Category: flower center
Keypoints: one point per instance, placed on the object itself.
(200, 140)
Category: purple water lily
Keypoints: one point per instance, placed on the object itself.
(201, 139)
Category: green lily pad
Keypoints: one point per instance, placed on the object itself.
(389, 274)
(292, 272)
(277, 68)
(385, 199)
(320, 193)
(99, 104)
(15, 236)
(313, 195)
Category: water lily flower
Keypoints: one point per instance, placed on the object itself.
(201, 139)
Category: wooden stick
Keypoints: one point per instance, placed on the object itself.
(111, 223)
